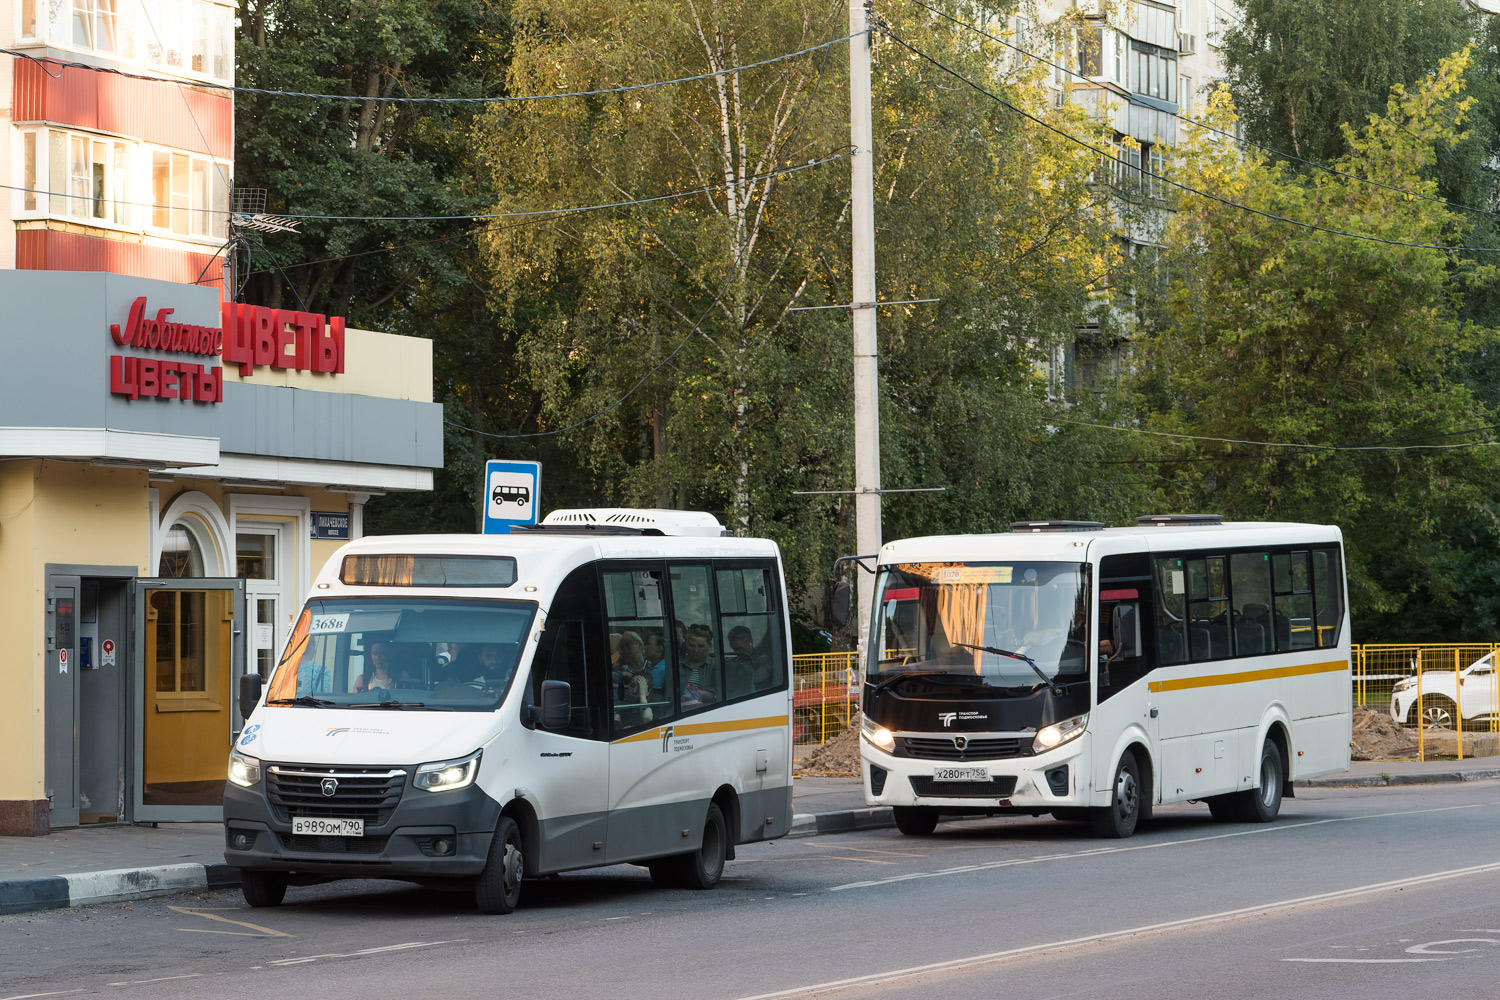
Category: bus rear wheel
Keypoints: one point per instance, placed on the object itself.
(700, 869)
(1260, 805)
(1118, 819)
(915, 821)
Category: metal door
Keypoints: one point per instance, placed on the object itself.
(189, 648)
(61, 698)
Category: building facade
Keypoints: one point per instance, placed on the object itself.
(174, 467)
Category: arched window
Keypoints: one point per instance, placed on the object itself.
(181, 555)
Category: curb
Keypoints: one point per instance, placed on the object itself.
(56, 892)
(842, 821)
(1387, 780)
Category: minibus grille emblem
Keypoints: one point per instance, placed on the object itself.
(330, 787)
(962, 742)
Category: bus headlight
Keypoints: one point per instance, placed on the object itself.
(448, 775)
(878, 735)
(244, 771)
(1055, 735)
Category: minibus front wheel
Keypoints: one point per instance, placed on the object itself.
(498, 887)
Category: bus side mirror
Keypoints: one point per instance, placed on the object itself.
(249, 694)
(556, 710)
(838, 604)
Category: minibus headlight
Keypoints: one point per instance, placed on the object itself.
(244, 771)
(1055, 735)
(448, 775)
(877, 735)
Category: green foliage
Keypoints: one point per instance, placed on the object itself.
(1271, 333)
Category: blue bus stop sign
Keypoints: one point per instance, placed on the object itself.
(510, 494)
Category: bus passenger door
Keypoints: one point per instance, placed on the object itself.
(565, 770)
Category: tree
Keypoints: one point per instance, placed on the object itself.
(1343, 352)
(679, 330)
(362, 158)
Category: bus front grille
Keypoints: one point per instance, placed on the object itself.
(363, 793)
(996, 788)
(973, 748)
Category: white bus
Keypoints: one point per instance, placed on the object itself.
(1092, 672)
(468, 711)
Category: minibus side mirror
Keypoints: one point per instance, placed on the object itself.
(557, 705)
(249, 694)
(838, 604)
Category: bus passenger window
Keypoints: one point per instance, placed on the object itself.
(1250, 576)
(700, 672)
(1171, 612)
(1328, 595)
(640, 683)
(751, 631)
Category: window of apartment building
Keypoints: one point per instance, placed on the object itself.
(96, 25)
(87, 176)
(1091, 52)
(1185, 93)
(28, 172)
(190, 35)
(1153, 72)
(28, 18)
(189, 196)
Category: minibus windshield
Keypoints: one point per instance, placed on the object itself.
(1000, 628)
(402, 654)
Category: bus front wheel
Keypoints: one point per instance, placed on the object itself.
(498, 887)
(915, 821)
(1118, 819)
(263, 888)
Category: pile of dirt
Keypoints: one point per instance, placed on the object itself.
(839, 757)
(1377, 736)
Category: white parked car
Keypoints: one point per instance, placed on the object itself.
(1442, 699)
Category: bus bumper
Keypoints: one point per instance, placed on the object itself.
(427, 835)
(1052, 780)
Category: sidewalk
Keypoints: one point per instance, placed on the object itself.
(108, 864)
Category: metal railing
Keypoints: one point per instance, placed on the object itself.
(1433, 689)
(825, 695)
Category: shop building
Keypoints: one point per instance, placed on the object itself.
(173, 472)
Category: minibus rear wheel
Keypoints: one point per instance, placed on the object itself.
(498, 887)
(698, 869)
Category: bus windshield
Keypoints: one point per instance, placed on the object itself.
(415, 654)
(977, 624)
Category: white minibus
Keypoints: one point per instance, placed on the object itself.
(1092, 672)
(468, 711)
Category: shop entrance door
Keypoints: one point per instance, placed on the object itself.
(189, 642)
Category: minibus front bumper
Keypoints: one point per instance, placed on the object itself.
(426, 834)
(1036, 783)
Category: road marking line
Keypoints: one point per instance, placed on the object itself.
(1100, 851)
(1363, 961)
(383, 949)
(29, 996)
(996, 957)
(258, 930)
(163, 979)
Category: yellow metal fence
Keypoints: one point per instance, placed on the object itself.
(1434, 688)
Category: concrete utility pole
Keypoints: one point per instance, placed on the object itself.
(866, 374)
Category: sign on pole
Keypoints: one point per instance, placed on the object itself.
(510, 495)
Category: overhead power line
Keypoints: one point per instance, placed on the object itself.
(1167, 180)
(1209, 128)
(45, 61)
(472, 217)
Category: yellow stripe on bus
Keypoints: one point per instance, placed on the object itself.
(700, 728)
(1213, 680)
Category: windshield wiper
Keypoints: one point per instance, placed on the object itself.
(1047, 681)
(388, 704)
(906, 675)
(306, 699)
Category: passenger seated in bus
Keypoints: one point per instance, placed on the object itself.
(747, 669)
(699, 671)
(656, 658)
(475, 661)
(631, 676)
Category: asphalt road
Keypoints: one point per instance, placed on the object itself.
(1352, 893)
